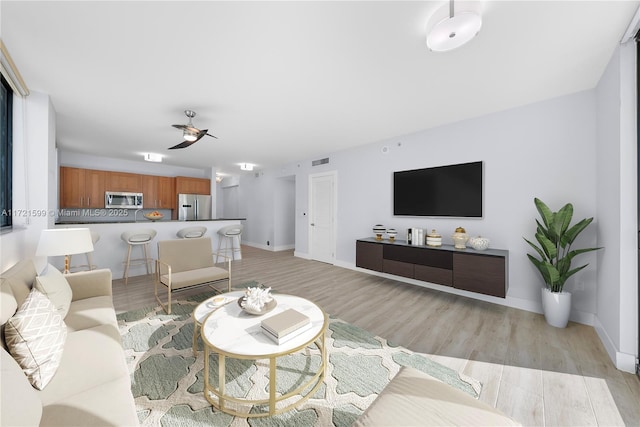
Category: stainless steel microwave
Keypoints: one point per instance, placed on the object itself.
(115, 199)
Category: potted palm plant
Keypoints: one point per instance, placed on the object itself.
(554, 236)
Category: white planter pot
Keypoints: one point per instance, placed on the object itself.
(556, 307)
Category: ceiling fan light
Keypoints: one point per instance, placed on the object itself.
(454, 31)
(189, 135)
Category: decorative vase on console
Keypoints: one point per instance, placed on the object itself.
(392, 234)
(460, 237)
(434, 239)
(379, 230)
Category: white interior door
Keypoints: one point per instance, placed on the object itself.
(322, 213)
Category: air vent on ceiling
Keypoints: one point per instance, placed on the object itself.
(320, 162)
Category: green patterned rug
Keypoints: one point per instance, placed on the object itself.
(167, 380)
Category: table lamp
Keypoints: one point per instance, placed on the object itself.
(64, 241)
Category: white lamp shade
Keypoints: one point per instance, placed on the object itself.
(453, 32)
(64, 241)
(189, 135)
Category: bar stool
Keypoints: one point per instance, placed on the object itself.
(228, 235)
(95, 236)
(137, 238)
(191, 232)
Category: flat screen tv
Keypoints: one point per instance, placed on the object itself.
(449, 191)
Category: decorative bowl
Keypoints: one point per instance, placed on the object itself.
(265, 309)
(479, 243)
(154, 216)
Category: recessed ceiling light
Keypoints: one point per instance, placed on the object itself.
(246, 166)
(152, 157)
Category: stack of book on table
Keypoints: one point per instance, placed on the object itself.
(286, 325)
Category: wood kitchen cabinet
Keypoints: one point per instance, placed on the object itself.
(123, 181)
(81, 188)
(158, 192)
(188, 185)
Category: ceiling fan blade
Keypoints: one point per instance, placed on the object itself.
(201, 133)
(186, 127)
(183, 144)
(204, 132)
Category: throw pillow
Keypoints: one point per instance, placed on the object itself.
(35, 337)
(54, 285)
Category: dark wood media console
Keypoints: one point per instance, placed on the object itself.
(484, 272)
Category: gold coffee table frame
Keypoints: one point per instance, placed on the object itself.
(217, 396)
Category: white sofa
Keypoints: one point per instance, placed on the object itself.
(413, 398)
(91, 385)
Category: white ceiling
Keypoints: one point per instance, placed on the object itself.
(279, 82)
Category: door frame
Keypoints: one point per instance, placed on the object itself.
(334, 194)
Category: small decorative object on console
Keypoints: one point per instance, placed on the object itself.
(392, 232)
(434, 239)
(479, 243)
(460, 237)
(379, 230)
(417, 236)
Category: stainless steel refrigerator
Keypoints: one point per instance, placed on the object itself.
(194, 207)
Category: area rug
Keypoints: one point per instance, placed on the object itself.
(168, 382)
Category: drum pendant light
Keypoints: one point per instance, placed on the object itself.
(454, 31)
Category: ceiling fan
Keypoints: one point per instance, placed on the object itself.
(190, 133)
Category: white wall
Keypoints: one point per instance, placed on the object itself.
(284, 213)
(256, 204)
(227, 203)
(34, 177)
(88, 161)
(616, 313)
(544, 150)
(267, 202)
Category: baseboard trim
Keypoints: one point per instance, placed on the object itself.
(269, 248)
(623, 361)
(302, 255)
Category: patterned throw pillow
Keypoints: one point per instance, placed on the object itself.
(55, 286)
(35, 337)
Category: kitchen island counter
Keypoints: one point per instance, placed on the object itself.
(111, 251)
(144, 221)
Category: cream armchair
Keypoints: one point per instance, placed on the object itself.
(187, 263)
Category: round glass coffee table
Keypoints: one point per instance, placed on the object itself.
(231, 332)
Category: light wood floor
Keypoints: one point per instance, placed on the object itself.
(535, 373)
